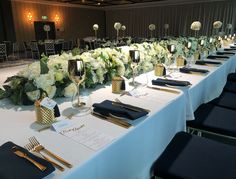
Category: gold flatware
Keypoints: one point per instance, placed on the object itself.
(30, 148)
(22, 154)
(39, 147)
(112, 120)
(164, 89)
(117, 102)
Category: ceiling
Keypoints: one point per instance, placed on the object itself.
(103, 3)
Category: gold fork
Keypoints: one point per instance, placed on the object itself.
(31, 148)
(39, 147)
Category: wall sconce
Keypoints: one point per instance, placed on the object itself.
(29, 17)
(57, 18)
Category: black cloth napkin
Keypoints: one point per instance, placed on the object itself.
(205, 62)
(106, 107)
(217, 56)
(15, 167)
(225, 53)
(163, 82)
(189, 70)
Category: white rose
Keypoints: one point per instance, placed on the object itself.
(51, 90)
(70, 90)
(33, 95)
(123, 27)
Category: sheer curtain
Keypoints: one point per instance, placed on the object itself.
(179, 18)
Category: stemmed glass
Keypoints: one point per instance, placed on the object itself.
(171, 49)
(135, 59)
(76, 70)
(188, 45)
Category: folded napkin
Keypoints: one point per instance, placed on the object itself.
(163, 82)
(106, 107)
(217, 56)
(205, 62)
(225, 53)
(189, 70)
(14, 167)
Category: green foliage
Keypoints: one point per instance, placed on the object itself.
(43, 65)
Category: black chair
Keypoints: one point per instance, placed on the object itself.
(215, 120)
(193, 157)
(226, 100)
(35, 50)
(232, 77)
(230, 86)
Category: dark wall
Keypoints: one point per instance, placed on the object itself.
(7, 32)
(75, 22)
(178, 16)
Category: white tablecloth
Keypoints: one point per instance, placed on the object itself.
(133, 151)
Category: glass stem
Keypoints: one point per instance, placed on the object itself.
(78, 101)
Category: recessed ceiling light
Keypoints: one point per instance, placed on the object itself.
(99, 3)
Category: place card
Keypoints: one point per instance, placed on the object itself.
(86, 136)
(48, 103)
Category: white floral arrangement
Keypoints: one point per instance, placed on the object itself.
(50, 74)
(217, 24)
(166, 26)
(152, 27)
(117, 25)
(46, 28)
(123, 27)
(229, 26)
(196, 26)
(95, 27)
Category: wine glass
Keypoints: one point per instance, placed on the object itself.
(188, 45)
(135, 59)
(76, 70)
(171, 48)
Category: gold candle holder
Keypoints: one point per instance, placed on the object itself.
(117, 84)
(43, 114)
(180, 61)
(159, 70)
(196, 56)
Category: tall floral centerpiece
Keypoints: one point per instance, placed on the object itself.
(117, 27)
(95, 28)
(47, 28)
(123, 28)
(196, 26)
(216, 26)
(151, 27)
(166, 27)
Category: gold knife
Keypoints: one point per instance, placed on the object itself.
(164, 89)
(24, 155)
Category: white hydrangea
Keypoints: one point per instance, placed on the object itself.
(31, 72)
(45, 80)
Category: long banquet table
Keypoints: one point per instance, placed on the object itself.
(132, 152)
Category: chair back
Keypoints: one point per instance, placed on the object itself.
(34, 46)
(49, 48)
(3, 49)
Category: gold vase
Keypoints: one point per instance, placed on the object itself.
(117, 84)
(159, 70)
(196, 55)
(180, 61)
